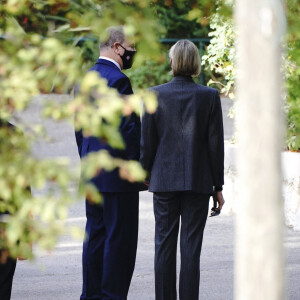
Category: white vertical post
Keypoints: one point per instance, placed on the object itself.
(259, 264)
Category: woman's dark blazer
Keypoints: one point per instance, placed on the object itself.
(182, 144)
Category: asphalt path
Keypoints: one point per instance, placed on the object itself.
(57, 275)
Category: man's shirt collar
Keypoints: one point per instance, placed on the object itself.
(111, 60)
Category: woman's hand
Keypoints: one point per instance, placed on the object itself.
(218, 203)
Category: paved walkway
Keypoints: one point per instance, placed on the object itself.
(57, 275)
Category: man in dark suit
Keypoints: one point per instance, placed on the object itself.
(109, 251)
(7, 266)
(7, 271)
(182, 148)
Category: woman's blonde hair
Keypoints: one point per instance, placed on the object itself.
(185, 59)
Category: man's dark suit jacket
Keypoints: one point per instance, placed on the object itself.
(182, 144)
(130, 129)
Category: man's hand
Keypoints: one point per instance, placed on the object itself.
(4, 255)
(218, 203)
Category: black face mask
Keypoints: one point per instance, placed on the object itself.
(127, 58)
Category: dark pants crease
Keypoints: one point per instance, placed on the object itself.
(7, 271)
(169, 209)
(109, 251)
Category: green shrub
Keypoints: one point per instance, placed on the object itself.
(151, 73)
(219, 62)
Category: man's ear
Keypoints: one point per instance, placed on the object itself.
(115, 47)
(171, 62)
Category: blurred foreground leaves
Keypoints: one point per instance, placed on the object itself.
(39, 55)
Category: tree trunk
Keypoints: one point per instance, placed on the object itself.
(259, 267)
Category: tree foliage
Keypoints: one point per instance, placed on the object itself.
(38, 55)
(220, 62)
(151, 72)
(293, 75)
(180, 19)
(220, 57)
(184, 19)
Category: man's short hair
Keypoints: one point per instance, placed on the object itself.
(115, 34)
(185, 58)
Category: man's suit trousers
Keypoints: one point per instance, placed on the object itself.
(109, 250)
(7, 272)
(169, 208)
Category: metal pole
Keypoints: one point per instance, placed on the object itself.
(259, 263)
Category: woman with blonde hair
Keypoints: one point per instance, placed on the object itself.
(182, 148)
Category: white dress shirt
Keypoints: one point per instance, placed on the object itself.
(111, 60)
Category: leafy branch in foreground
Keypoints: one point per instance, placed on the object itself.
(38, 55)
